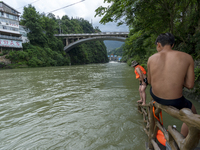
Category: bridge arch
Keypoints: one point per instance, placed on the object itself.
(74, 44)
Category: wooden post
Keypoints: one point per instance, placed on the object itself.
(139, 108)
(172, 136)
(151, 126)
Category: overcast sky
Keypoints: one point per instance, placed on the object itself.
(82, 9)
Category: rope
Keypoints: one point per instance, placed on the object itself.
(158, 115)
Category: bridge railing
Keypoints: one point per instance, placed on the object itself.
(99, 33)
(174, 138)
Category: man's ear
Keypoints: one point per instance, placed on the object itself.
(159, 44)
(172, 45)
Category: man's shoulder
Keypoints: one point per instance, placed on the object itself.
(153, 56)
(180, 52)
(183, 54)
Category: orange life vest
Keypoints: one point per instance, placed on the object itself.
(160, 136)
(142, 69)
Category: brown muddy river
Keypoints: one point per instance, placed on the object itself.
(88, 107)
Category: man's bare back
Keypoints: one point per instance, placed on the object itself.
(169, 71)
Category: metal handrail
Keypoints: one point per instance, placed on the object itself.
(10, 37)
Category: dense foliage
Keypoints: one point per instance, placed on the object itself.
(117, 51)
(44, 49)
(147, 19)
(110, 45)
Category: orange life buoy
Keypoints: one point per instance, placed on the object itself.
(161, 138)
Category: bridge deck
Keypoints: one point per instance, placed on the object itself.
(94, 34)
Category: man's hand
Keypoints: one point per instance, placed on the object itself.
(141, 74)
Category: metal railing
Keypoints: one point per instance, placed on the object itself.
(10, 37)
(94, 34)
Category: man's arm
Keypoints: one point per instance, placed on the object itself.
(189, 78)
(141, 75)
(148, 72)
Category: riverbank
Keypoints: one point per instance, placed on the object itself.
(7, 64)
(4, 62)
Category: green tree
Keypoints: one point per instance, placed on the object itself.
(147, 19)
(45, 49)
(49, 25)
(32, 20)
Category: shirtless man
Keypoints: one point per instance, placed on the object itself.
(141, 76)
(168, 72)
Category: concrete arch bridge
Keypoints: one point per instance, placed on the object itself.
(73, 40)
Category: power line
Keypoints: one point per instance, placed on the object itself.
(28, 4)
(66, 6)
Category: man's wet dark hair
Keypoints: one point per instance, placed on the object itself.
(165, 39)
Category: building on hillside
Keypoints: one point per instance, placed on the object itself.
(10, 37)
(114, 57)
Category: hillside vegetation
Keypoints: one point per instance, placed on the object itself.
(44, 49)
(117, 51)
(110, 45)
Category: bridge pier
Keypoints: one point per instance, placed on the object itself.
(71, 40)
(67, 41)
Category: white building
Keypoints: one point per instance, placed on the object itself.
(10, 37)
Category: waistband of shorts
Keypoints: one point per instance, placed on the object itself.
(157, 99)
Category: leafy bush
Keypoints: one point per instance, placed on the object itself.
(5, 52)
(197, 74)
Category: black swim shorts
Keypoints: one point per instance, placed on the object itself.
(178, 103)
(145, 81)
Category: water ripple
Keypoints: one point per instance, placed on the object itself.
(75, 107)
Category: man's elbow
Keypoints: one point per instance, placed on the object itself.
(189, 86)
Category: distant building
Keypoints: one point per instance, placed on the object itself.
(113, 57)
(10, 37)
